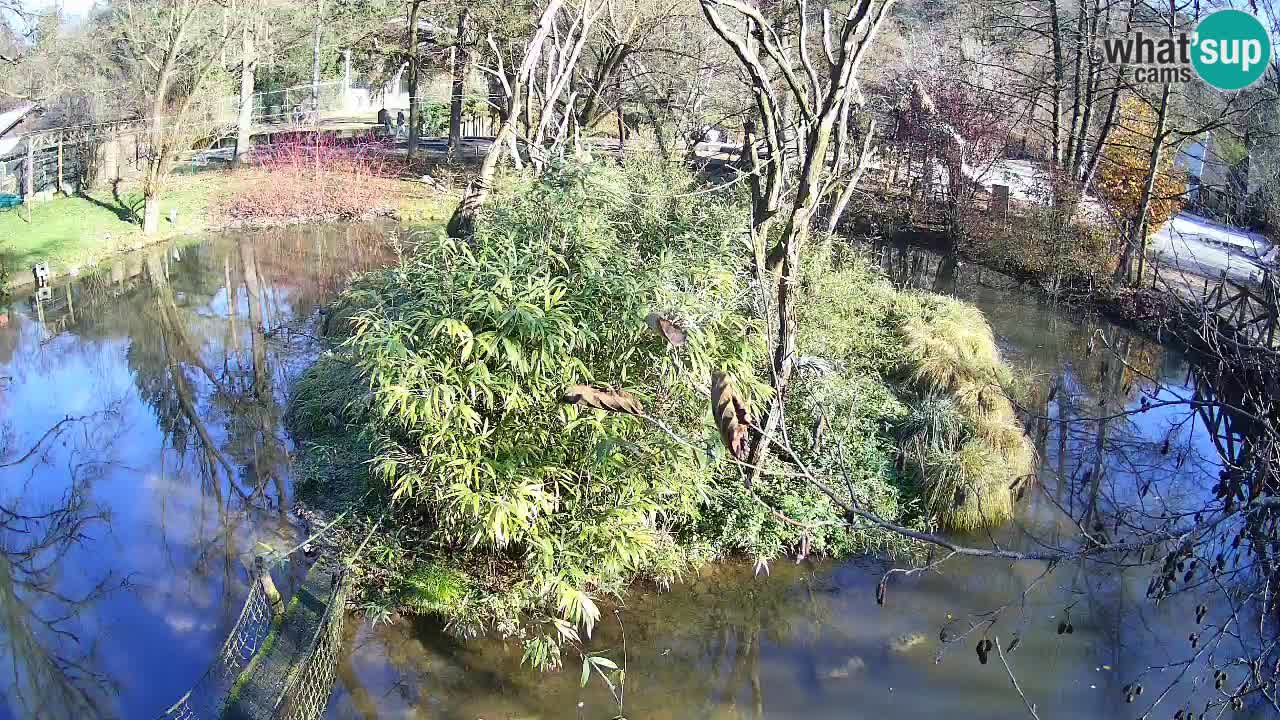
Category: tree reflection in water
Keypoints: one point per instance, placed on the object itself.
(184, 352)
(50, 666)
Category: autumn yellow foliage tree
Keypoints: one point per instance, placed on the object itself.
(1122, 175)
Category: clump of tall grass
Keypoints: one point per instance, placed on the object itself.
(964, 446)
(957, 438)
(948, 346)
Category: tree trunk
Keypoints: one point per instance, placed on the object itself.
(315, 57)
(413, 77)
(1137, 242)
(592, 106)
(151, 210)
(864, 157)
(462, 223)
(244, 123)
(156, 162)
(1059, 73)
(461, 63)
(29, 177)
(622, 121)
(1108, 122)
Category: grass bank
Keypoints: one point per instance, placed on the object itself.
(76, 231)
(442, 410)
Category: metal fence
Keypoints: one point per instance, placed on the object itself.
(300, 105)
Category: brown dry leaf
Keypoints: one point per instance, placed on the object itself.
(666, 329)
(730, 415)
(611, 400)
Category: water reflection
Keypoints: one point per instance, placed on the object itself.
(142, 460)
(809, 641)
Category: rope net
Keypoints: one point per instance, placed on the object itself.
(205, 699)
(306, 693)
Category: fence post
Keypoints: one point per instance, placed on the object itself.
(268, 585)
(60, 164)
(30, 180)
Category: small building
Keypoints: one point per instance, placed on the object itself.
(15, 123)
(1219, 177)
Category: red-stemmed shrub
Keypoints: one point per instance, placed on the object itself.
(315, 177)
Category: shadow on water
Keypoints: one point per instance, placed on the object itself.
(142, 460)
(809, 641)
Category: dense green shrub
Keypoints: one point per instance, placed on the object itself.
(467, 348)
(514, 510)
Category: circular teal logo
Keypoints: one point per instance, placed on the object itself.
(1231, 49)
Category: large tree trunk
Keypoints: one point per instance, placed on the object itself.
(156, 162)
(244, 123)
(461, 64)
(1059, 73)
(151, 209)
(413, 78)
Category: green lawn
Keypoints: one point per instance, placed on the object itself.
(78, 231)
(75, 231)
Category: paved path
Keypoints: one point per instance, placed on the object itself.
(1198, 245)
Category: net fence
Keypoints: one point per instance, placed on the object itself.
(306, 694)
(206, 698)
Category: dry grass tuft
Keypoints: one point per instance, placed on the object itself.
(963, 443)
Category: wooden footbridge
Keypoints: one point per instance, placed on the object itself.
(278, 662)
(1247, 315)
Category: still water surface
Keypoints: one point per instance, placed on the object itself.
(152, 391)
(142, 459)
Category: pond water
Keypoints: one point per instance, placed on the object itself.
(150, 393)
(142, 459)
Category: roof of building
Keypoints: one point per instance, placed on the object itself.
(9, 120)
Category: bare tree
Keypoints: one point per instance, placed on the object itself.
(412, 52)
(248, 67)
(552, 122)
(170, 48)
(781, 191)
(459, 66)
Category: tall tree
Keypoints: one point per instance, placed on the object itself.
(171, 48)
(460, 66)
(786, 197)
(415, 6)
(248, 66)
(315, 56)
(552, 126)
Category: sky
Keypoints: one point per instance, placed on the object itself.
(73, 11)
